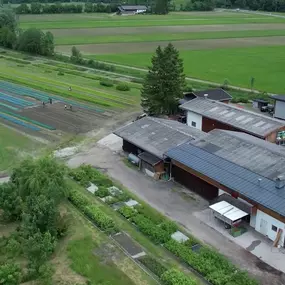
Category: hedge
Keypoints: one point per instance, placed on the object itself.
(123, 87)
(98, 217)
(175, 277)
(127, 212)
(213, 266)
(153, 231)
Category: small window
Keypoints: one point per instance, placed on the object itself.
(193, 124)
(274, 228)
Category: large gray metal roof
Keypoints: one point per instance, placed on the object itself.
(242, 119)
(231, 175)
(157, 136)
(259, 156)
(278, 97)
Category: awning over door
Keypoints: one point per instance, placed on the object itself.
(227, 212)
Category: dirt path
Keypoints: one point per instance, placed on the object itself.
(125, 48)
(163, 29)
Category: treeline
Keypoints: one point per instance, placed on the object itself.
(264, 5)
(206, 5)
(32, 41)
(59, 8)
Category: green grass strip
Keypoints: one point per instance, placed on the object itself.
(28, 120)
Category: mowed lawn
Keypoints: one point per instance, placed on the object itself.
(174, 19)
(238, 65)
(85, 39)
(13, 146)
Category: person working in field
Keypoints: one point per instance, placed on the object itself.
(69, 89)
(65, 107)
(50, 100)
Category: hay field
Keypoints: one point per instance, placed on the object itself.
(214, 45)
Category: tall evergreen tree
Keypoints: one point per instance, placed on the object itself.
(164, 83)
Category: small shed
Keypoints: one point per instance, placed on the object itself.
(151, 164)
(279, 106)
(259, 103)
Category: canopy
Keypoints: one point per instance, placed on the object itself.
(228, 211)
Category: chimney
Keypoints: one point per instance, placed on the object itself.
(206, 96)
(280, 182)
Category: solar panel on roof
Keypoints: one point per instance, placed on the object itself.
(240, 118)
(259, 124)
(224, 112)
(213, 109)
(229, 114)
(247, 120)
(267, 126)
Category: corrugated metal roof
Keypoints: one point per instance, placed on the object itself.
(133, 7)
(259, 156)
(242, 119)
(217, 94)
(278, 97)
(149, 158)
(157, 136)
(231, 175)
(228, 210)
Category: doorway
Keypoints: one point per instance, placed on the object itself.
(263, 227)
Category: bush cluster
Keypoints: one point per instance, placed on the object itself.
(216, 268)
(127, 212)
(123, 87)
(106, 83)
(153, 231)
(175, 277)
(98, 217)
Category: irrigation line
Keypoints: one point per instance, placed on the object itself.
(148, 272)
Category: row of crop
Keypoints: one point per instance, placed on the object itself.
(145, 225)
(71, 95)
(209, 263)
(95, 214)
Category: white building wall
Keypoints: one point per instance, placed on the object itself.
(279, 111)
(264, 224)
(196, 118)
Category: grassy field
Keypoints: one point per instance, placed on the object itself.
(14, 146)
(214, 45)
(84, 39)
(237, 65)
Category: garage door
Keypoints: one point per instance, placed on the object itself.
(194, 183)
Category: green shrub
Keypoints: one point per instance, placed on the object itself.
(86, 173)
(100, 219)
(169, 226)
(10, 274)
(106, 83)
(151, 214)
(188, 88)
(102, 192)
(147, 227)
(123, 87)
(212, 265)
(78, 199)
(191, 241)
(175, 277)
(123, 197)
(153, 265)
(61, 73)
(127, 212)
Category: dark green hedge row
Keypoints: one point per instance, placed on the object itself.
(98, 217)
(216, 268)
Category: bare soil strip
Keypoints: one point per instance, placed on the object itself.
(164, 29)
(181, 45)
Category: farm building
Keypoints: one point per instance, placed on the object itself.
(149, 138)
(242, 174)
(131, 10)
(206, 115)
(279, 106)
(217, 94)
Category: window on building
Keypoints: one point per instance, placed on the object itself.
(274, 228)
(193, 124)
